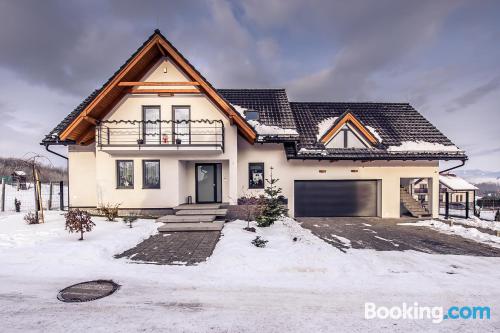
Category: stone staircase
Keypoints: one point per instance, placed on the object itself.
(194, 217)
(412, 205)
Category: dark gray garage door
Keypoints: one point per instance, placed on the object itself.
(335, 198)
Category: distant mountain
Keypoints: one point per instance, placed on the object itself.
(477, 176)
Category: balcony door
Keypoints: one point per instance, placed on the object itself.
(208, 182)
(181, 126)
(151, 125)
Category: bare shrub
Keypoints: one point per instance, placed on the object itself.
(78, 221)
(109, 210)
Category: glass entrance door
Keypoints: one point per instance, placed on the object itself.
(208, 182)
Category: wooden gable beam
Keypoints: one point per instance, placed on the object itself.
(164, 91)
(355, 122)
(137, 83)
(244, 127)
(64, 135)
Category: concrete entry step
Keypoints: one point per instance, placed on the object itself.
(203, 226)
(186, 218)
(216, 212)
(197, 206)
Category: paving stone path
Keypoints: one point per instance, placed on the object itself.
(176, 248)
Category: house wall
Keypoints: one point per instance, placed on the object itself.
(389, 174)
(82, 176)
(177, 175)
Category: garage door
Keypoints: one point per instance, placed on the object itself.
(335, 198)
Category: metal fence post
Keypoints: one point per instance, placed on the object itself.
(49, 205)
(3, 194)
(61, 195)
(447, 205)
(467, 204)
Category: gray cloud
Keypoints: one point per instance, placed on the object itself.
(54, 52)
(472, 96)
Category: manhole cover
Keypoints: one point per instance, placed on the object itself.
(87, 291)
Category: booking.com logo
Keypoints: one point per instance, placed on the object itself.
(418, 312)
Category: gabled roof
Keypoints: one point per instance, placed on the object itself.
(347, 118)
(78, 126)
(455, 183)
(396, 124)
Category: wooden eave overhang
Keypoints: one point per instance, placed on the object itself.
(82, 129)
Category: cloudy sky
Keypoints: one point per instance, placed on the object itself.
(441, 56)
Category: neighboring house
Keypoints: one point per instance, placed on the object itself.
(448, 183)
(18, 178)
(157, 134)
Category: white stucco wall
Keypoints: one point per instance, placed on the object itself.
(82, 176)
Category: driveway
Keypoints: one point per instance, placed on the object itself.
(386, 235)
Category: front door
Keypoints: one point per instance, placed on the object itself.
(208, 182)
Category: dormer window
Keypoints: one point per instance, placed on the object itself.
(252, 115)
(347, 138)
(348, 132)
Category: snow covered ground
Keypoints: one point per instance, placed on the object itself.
(289, 286)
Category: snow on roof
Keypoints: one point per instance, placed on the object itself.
(262, 129)
(422, 146)
(19, 173)
(325, 125)
(456, 183)
(375, 133)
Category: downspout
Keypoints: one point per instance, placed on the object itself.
(67, 164)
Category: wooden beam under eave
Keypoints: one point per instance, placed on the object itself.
(164, 91)
(90, 120)
(64, 135)
(139, 83)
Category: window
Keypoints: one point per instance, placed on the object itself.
(421, 197)
(256, 175)
(252, 115)
(346, 138)
(151, 174)
(182, 126)
(124, 174)
(151, 129)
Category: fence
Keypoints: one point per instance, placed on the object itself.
(54, 196)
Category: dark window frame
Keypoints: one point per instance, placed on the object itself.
(174, 120)
(144, 186)
(118, 176)
(249, 115)
(258, 187)
(144, 107)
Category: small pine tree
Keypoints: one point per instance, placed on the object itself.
(78, 221)
(272, 208)
(497, 215)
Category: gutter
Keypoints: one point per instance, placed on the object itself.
(462, 163)
(47, 145)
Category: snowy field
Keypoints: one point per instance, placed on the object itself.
(290, 286)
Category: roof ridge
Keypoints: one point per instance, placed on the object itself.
(343, 102)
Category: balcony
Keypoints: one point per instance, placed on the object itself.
(420, 190)
(161, 135)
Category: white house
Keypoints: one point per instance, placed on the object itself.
(157, 134)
